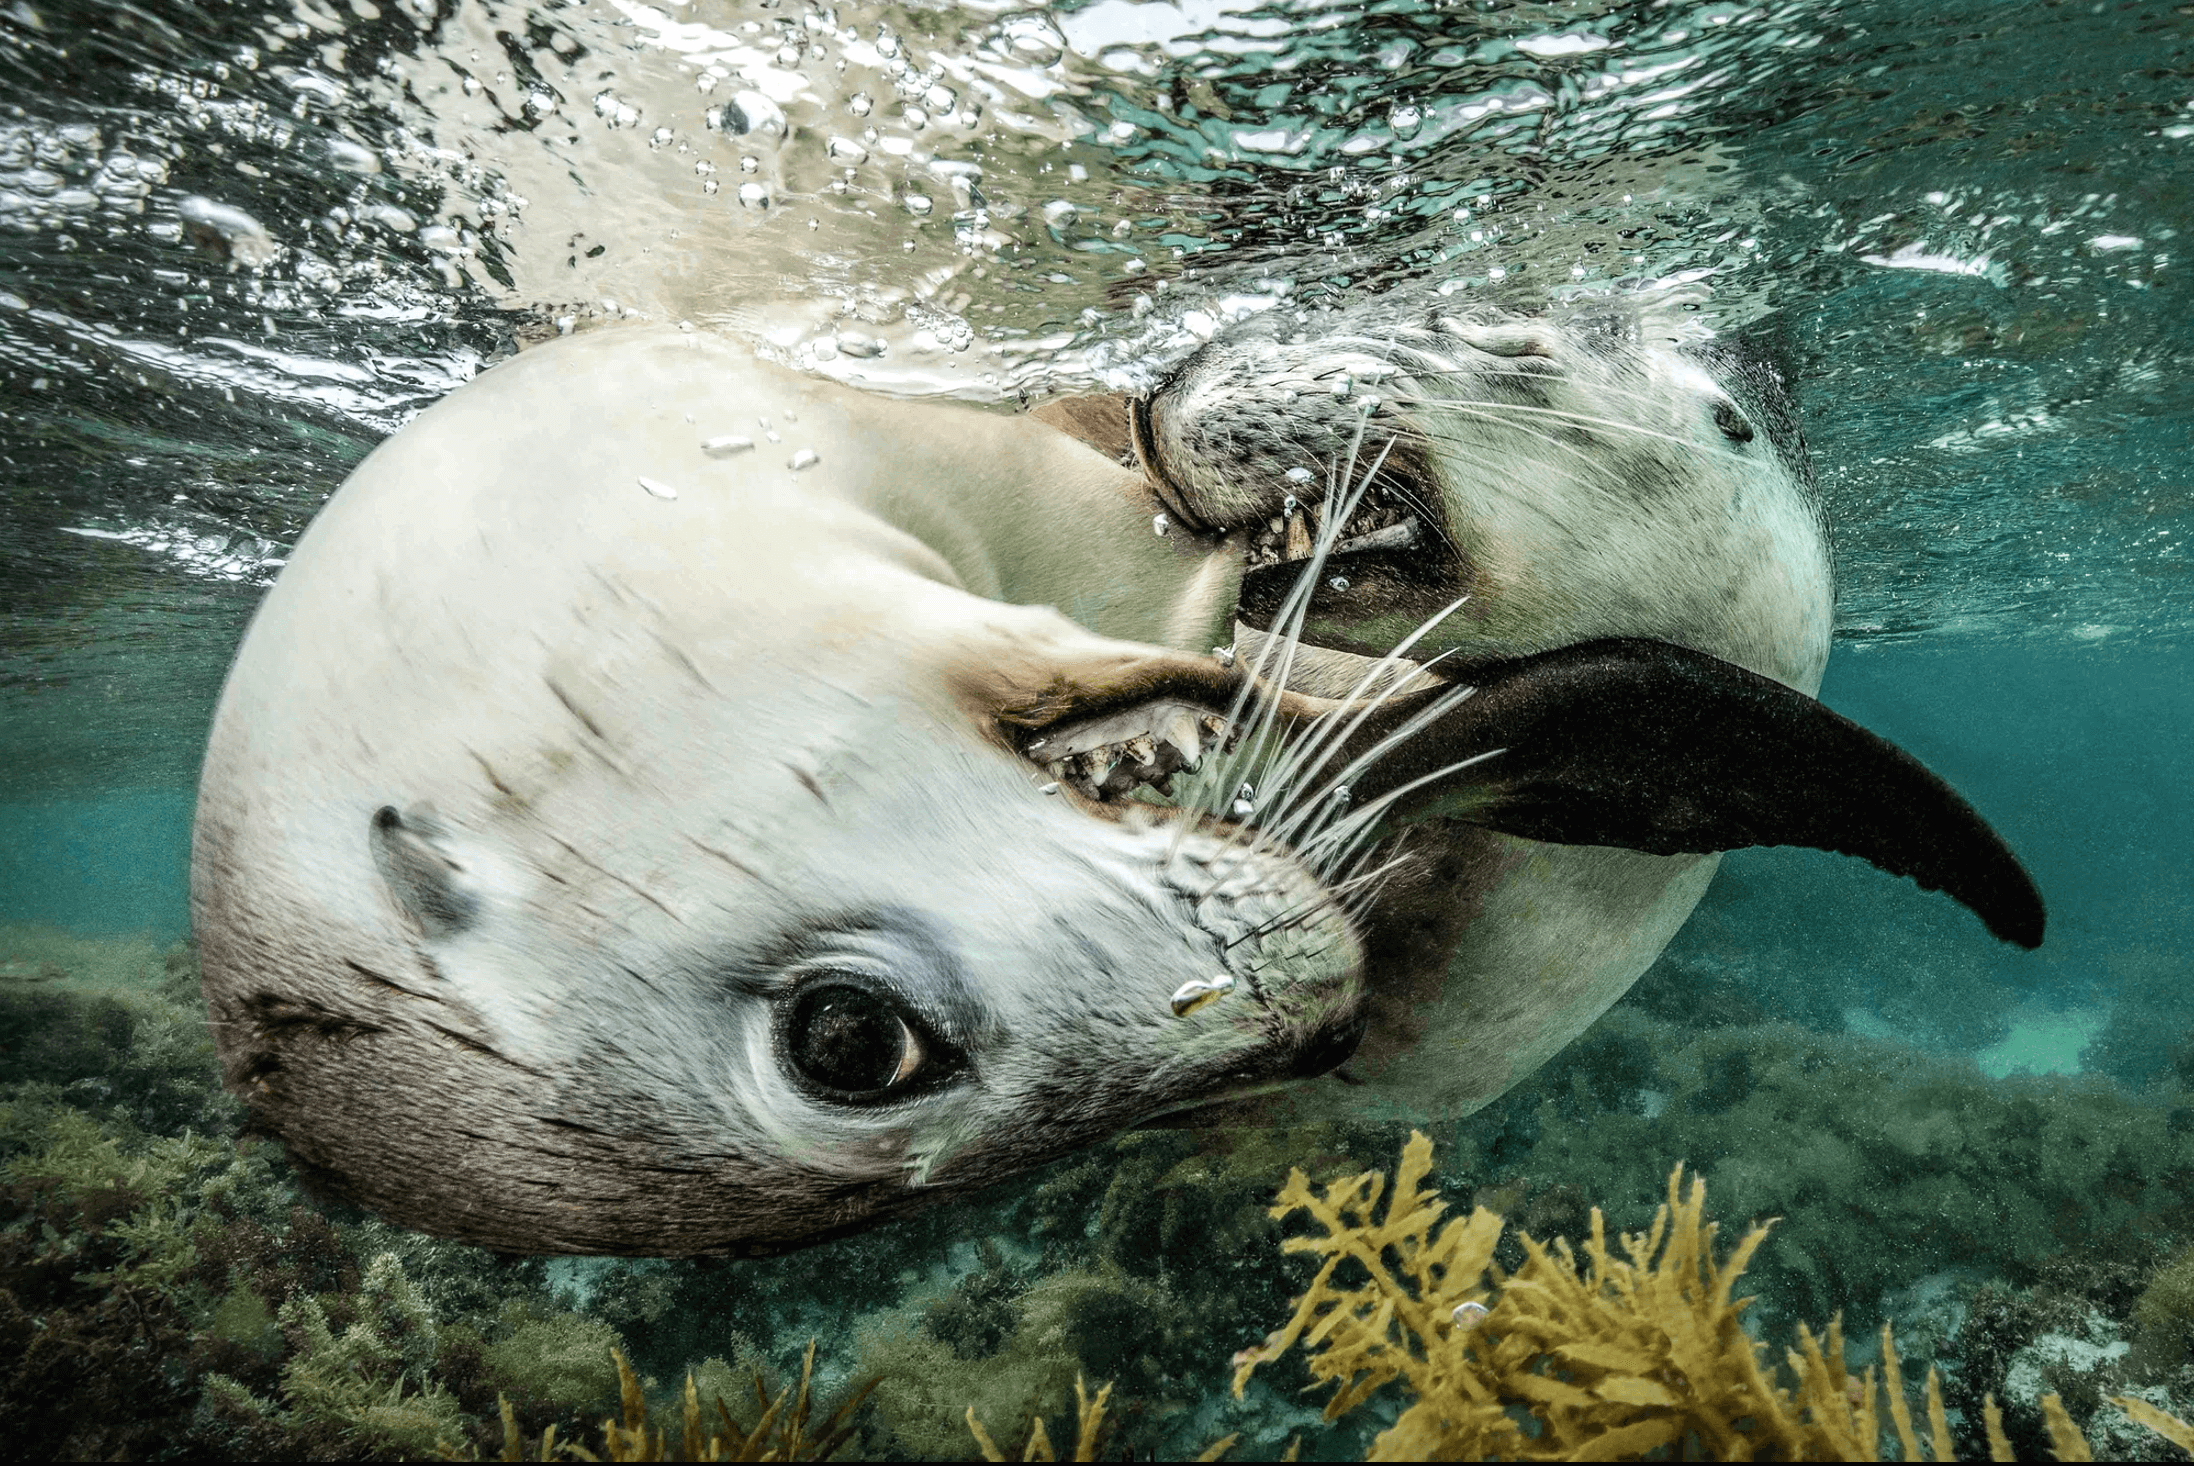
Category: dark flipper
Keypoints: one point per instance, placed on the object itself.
(1651, 747)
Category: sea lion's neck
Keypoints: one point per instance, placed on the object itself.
(1026, 514)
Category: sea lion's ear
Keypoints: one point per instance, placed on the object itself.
(1652, 747)
(429, 884)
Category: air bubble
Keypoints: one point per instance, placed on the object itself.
(752, 112)
(804, 458)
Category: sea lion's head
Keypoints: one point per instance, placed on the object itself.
(1574, 478)
(610, 844)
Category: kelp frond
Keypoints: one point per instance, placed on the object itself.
(1089, 1424)
(1617, 1352)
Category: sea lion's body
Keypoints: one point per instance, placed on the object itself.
(614, 839)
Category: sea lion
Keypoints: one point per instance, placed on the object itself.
(669, 805)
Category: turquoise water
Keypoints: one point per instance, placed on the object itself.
(2082, 758)
(102, 867)
(239, 246)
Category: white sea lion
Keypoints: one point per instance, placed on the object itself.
(616, 837)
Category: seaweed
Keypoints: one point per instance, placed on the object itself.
(168, 1286)
(786, 1429)
(1595, 1356)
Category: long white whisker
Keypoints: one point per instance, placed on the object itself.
(1468, 409)
(1614, 424)
(1286, 632)
(1459, 449)
(1360, 822)
(1329, 534)
(1605, 388)
(1324, 743)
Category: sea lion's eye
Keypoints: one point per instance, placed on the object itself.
(1732, 422)
(849, 1039)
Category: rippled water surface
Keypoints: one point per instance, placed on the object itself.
(238, 246)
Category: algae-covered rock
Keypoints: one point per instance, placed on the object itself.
(166, 1285)
(2166, 1317)
(1885, 1164)
(558, 1365)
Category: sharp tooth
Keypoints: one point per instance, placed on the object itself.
(1394, 537)
(1298, 536)
(1142, 751)
(1178, 734)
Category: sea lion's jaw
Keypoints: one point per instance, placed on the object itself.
(1574, 483)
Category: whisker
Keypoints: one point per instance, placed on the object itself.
(1475, 372)
(1359, 823)
(1324, 743)
(1329, 534)
(1462, 450)
(1468, 409)
(1614, 424)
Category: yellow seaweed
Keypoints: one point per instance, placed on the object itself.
(1621, 1351)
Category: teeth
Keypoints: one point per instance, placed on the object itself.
(1393, 537)
(1108, 758)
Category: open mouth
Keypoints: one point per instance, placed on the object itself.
(1386, 513)
(1110, 756)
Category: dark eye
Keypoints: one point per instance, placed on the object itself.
(1732, 423)
(851, 1040)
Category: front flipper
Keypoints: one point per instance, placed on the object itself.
(1652, 747)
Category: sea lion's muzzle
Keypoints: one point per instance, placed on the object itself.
(1626, 742)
